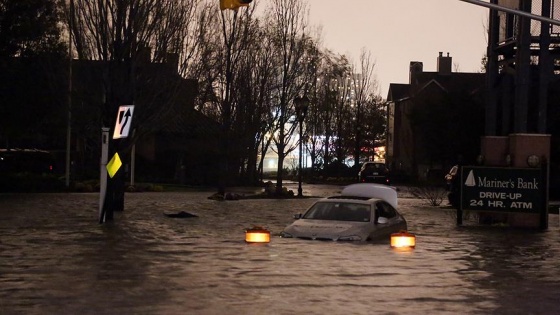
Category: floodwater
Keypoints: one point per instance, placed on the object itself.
(56, 259)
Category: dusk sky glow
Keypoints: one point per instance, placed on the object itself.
(399, 31)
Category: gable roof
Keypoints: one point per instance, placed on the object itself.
(454, 83)
(398, 91)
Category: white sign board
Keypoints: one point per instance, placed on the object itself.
(124, 120)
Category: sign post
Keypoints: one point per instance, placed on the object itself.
(103, 171)
(122, 128)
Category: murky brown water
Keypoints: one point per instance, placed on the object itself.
(56, 259)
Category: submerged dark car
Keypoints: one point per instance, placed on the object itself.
(26, 161)
(374, 172)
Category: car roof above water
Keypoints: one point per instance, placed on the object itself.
(350, 199)
(372, 191)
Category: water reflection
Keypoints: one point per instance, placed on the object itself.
(55, 258)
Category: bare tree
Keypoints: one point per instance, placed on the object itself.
(288, 21)
(222, 98)
(208, 62)
(373, 124)
(343, 89)
(314, 128)
(31, 47)
(254, 122)
(321, 121)
(342, 111)
(127, 34)
(365, 85)
(121, 35)
(237, 72)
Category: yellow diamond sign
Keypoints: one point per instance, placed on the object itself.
(114, 165)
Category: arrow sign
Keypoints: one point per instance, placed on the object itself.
(124, 120)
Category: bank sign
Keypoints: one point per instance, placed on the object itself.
(502, 189)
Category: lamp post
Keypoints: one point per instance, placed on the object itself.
(301, 105)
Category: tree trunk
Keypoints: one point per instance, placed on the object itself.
(281, 157)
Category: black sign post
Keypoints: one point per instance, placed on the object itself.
(503, 189)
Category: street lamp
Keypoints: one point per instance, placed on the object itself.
(301, 105)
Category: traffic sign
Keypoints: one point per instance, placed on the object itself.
(114, 165)
(124, 120)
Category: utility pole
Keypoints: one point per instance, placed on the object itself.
(69, 96)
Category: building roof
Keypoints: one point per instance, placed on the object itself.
(162, 93)
(398, 91)
(454, 83)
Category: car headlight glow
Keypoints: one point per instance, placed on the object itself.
(257, 234)
(403, 240)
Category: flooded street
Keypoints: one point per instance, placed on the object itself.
(56, 259)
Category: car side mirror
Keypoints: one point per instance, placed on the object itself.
(297, 216)
(382, 220)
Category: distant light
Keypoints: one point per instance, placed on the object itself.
(257, 234)
(403, 240)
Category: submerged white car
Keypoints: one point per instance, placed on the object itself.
(362, 212)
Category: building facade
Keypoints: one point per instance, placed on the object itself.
(432, 120)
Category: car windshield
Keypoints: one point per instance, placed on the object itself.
(340, 211)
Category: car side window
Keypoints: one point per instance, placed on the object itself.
(378, 212)
(361, 214)
(385, 210)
